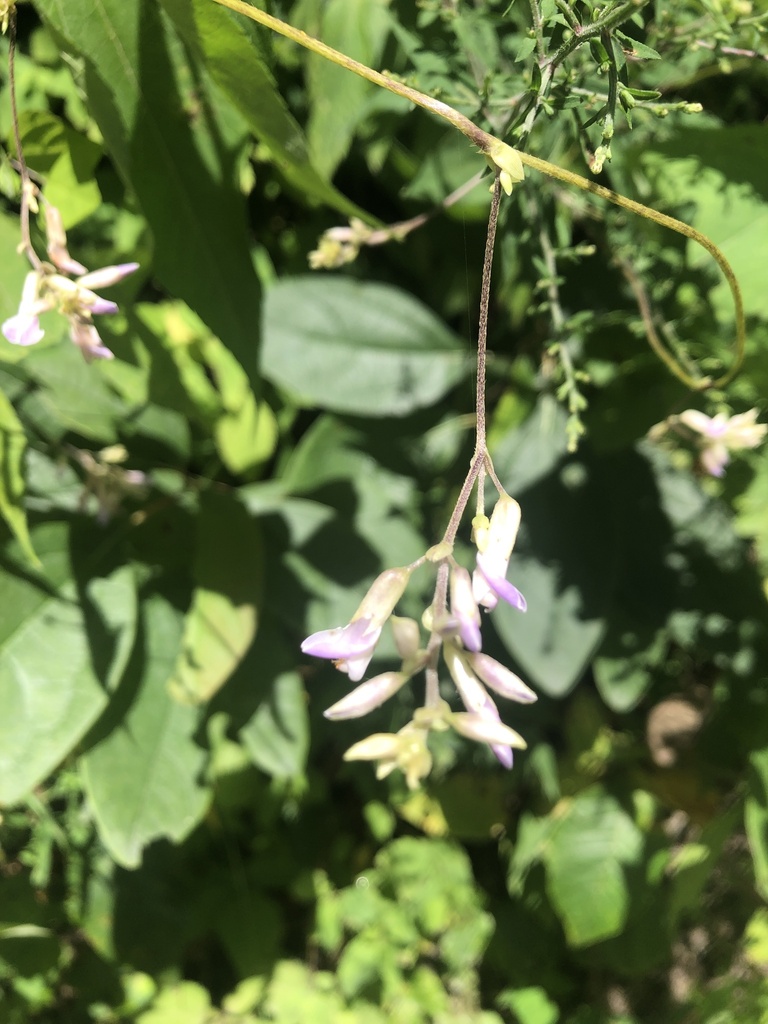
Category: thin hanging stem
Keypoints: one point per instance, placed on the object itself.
(27, 187)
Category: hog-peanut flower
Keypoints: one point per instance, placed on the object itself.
(50, 286)
(720, 435)
(495, 539)
(406, 750)
(453, 625)
(351, 647)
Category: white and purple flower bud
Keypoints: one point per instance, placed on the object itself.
(105, 277)
(464, 609)
(471, 690)
(484, 728)
(57, 243)
(501, 679)
(494, 548)
(367, 696)
(720, 435)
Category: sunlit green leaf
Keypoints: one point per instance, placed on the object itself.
(142, 778)
(360, 348)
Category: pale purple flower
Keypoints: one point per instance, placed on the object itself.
(477, 701)
(494, 586)
(76, 299)
(24, 327)
(495, 539)
(487, 728)
(351, 647)
(720, 435)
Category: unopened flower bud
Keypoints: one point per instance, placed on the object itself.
(464, 609)
(484, 729)
(500, 679)
(366, 697)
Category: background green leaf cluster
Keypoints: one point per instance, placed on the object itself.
(180, 839)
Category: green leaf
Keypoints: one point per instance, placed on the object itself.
(13, 445)
(721, 172)
(59, 656)
(181, 169)
(142, 777)
(358, 348)
(338, 98)
(563, 564)
(233, 60)
(756, 818)
(221, 622)
(277, 735)
(64, 378)
(530, 1006)
(185, 1002)
(67, 160)
(583, 858)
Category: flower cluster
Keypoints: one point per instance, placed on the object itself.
(66, 285)
(453, 623)
(716, 436)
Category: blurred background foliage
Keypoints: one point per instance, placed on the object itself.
(181, 842)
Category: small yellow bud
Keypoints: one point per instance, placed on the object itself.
(508, 161)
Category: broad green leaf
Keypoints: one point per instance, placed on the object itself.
(720, 171)
(13, 444)
(67, 161)
(338, 98)
(530, 1006)
(185, 1002)
(221, 622)
(205, 381)
(752, 521)
(181, 171)
(15, 268)
(64, 378)
(277, 736)
(59, 656)
(564, 565)
(142, 778)
(593, 838)
(367, 349)
(245, 432)
(234, 62)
